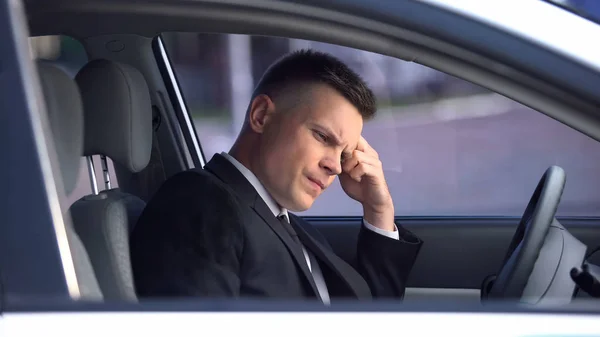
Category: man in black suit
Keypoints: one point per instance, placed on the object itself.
(226, 230)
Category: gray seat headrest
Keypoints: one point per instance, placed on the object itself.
(118, 113)
(65, 115)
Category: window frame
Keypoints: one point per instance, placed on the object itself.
(31, 265)
(185, 121)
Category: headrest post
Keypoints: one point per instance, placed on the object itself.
(105, 171)
(92, 172)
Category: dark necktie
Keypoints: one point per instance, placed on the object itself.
(288, 227)
(320, 282)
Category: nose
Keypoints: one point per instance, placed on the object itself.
(331, 164)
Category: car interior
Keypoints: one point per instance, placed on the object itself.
(125, 107)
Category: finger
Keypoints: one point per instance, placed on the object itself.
(357, 158)
(365, 147)
(362, 144)
(360, 157)
(357, 173)
(349, 163)
(361, 170)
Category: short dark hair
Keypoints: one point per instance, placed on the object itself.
(312, 67)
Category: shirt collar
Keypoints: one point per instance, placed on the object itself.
(258, 186)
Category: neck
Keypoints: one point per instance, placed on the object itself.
(242, 152)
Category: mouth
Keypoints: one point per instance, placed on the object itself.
(316, 182)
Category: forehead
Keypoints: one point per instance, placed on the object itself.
(328, 108)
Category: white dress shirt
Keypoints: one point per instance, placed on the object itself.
(278, 211)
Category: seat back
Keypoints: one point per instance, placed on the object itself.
(65, 116)
(118, 125)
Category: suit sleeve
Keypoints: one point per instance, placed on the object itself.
(189, 241)
(384, 262)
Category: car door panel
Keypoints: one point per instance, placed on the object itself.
(458, 253)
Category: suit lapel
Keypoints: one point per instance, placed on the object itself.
(344, 271)
(265, 213)
(227, 172)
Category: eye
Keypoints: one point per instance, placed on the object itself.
(323, 137)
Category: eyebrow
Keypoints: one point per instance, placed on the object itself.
(334, 137)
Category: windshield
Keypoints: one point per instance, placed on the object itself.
(589, 9)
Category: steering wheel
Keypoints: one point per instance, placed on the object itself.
(529, 237)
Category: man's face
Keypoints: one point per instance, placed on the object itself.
(301, 149)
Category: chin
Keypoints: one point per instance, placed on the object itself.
(299, 208)
(301, 205)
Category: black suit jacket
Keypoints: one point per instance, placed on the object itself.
(207, 232)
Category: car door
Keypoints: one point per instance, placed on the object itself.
(39, 293)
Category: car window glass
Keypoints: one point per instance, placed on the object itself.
(449, 147)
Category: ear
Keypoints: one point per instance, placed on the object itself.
(261, 111)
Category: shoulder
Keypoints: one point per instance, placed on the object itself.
(194, 196)
(196, 184)
(191, 209)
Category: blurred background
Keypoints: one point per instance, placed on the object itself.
(448, 147)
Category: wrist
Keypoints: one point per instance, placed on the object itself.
(381, 217)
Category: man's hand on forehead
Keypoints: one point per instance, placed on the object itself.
(363, 180)
(363, 154)
(364, 146)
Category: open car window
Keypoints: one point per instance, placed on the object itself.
(449, 147)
